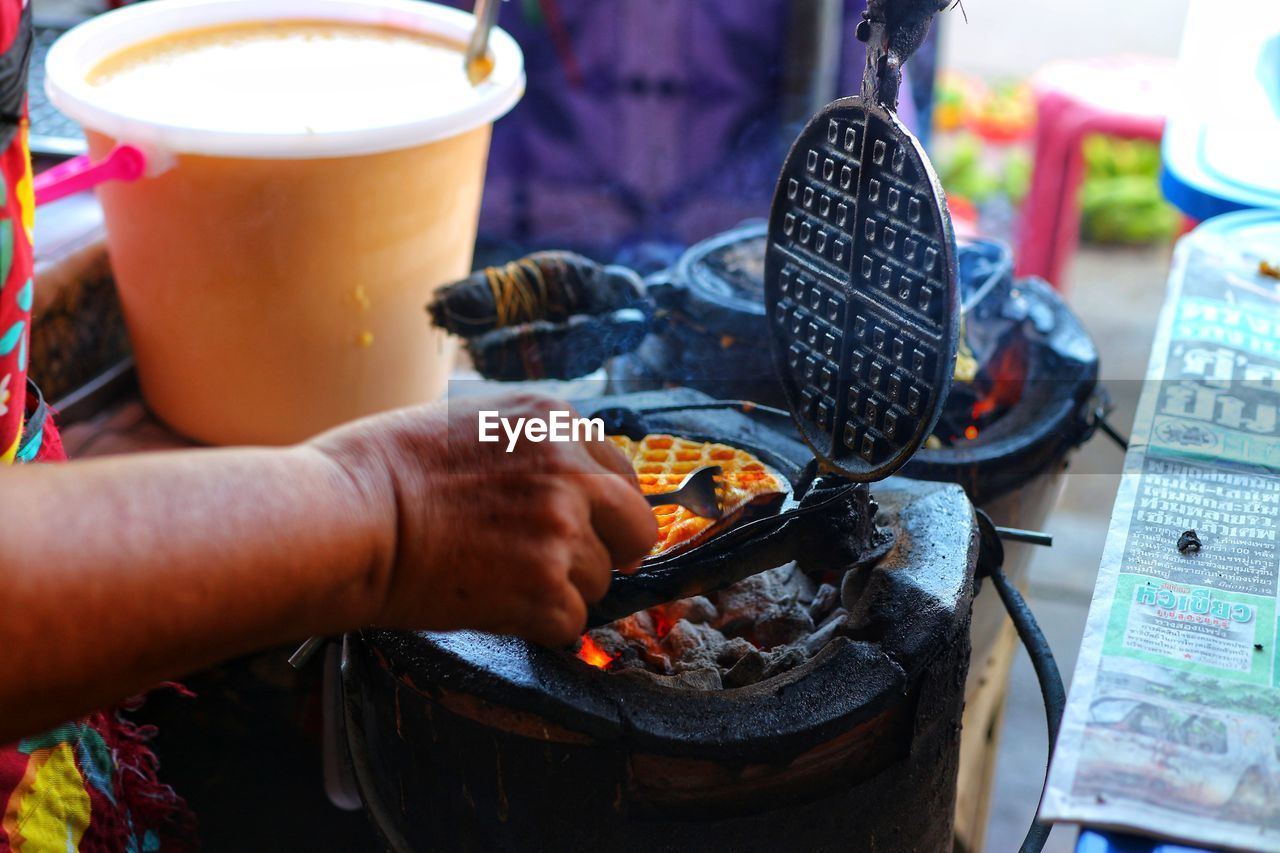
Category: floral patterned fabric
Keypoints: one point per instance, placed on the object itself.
(89, 785)
(16, 223)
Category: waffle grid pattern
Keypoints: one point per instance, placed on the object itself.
(860, 285)
(663, 461)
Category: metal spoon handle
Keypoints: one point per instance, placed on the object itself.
(299, 659)
(696, 493)
(478, 65)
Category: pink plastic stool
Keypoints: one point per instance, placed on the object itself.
(1122, 96)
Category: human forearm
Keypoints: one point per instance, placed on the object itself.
(121, 572)
(118, 573)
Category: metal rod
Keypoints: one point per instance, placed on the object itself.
(478, 64)
(1031, 537)
(305, 652)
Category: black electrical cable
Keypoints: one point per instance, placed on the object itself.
(1024, 622)
(1055, 695)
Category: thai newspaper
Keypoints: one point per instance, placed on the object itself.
(1172, 727)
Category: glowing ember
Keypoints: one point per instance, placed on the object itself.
(985, 406)
(1006, 374)
(996, 388)
(593, 654)
(662, 621)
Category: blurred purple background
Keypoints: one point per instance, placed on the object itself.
(650, 124)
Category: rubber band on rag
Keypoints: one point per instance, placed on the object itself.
(520, 291)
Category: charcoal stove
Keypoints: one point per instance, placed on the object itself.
(465, 741)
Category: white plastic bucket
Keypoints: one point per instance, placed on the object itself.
(274, 284)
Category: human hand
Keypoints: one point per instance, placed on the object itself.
(477, 537)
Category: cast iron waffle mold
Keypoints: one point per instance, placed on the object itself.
(860, 284)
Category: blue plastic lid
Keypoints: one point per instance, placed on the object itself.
(1223, 132)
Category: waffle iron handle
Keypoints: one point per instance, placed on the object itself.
(893, 30)
(736, 554)
(628, 595)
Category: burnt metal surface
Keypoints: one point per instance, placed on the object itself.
(727, 272)
(860, 286)
(472, 741)
(481, 779)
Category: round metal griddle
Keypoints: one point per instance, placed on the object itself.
(861, 289)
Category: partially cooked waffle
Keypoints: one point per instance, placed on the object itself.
(662, 461)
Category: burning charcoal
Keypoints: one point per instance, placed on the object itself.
(1189, 542)
(747, 671)
(781, 660)
(642, 638)
(636, 625)
(696, 609)
(679, 643)
(828, 630)
(692, 644)
(655, 659)
(782, 624)
(782, 575)
(741, 604)
(609, 640)
(824, 601)
(623, 651)
(733, 651)
(638, 628)
(804, 587)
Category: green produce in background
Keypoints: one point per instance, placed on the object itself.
(965, 172)
(1120, 201)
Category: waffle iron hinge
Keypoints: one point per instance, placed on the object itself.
(893, 30)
